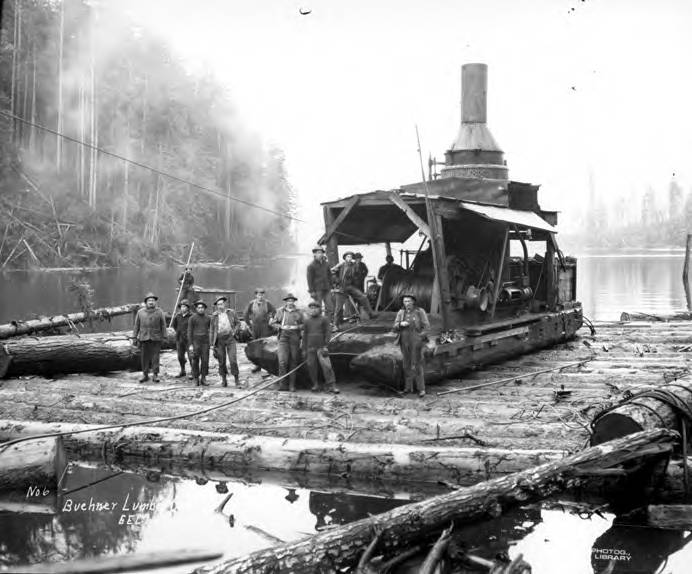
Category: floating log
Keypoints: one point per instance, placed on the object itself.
(34, 466)
(676, 516)
(407, 525)
(124, 563)
(238, 454)
(30, 326)
(656, 317)
(642, 413)
(61, 354)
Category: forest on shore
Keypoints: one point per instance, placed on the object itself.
(85, 70)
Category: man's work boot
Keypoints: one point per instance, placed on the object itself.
(334, 390)
(237, 380)
(155, 378)
(203, 381)
(196, 381)
(292, 386)
(421, 394)
(224, 382)
(144, 378)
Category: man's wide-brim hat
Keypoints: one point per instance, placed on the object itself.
(200, 302)
(358, 255)
(222, 298)
(290, 297)
(184, 302)
(318, 248)
(151, 295)
(347, 253)
(411, 295)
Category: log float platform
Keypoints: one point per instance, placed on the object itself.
(502, 428)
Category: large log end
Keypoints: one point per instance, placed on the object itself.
(38, 463)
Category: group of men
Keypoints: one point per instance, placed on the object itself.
(333, 287)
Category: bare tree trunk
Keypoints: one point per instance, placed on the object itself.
(32, 130)
(58, 139)
(82, 137)
(93, 168)
(15, 47)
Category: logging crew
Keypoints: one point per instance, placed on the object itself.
(289, 323)
(187, 282)
(149, 332)
(258, 314)
(180, 322)
(316, 333)
(198, 337)
(411, 323)
(224, 325)
(347, 279)
(389, 265)
(320, 281)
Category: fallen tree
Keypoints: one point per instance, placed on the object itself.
(37, 464)
(239, 454)
(15, 328)
(61, 354)
(342, 547)
(665, 318)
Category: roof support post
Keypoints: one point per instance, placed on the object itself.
(550, 283)
(500, 270)
(334, 225)
(440, 263)
(333, 241)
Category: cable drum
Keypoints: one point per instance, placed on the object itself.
(398, 282)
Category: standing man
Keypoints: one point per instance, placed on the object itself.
(361, 271)
(149, 331)
(289, 322)
(316, 333)
(348, 281)
(224, 324)
(258, 314)
(198, 337)
(411, 323)
(182, 343)
(320, 280)
(389, 265)
(188, 282)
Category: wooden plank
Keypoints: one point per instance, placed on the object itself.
(350, 204)
(123, 563)
(412, 215)
(447, 347)
(440, 261)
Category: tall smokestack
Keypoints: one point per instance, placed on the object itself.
(474, 153)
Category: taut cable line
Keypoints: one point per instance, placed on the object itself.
(204, 188)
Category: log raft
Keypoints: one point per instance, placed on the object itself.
(61, 354)
(16, 328)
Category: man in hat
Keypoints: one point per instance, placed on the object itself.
(198, 327)
(320, 280)
(316, 333)
(181, 342)
(289, 322)
(149, 332)
(258, 314)
(224, 324)
(347, 279)
(411, 323)
(387, 267)
(361, 270)
(187, 281)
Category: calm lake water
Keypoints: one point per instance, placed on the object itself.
(606, 285)
(180, 513)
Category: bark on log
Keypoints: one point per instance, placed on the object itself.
(15, 328)
(37, 464)
(642, 414)
(61, 354)
(239, 454)
(678, 316)
(342, 547)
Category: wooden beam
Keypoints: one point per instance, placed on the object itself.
(440, 263)
(550, 276)
(412, 215)
(350, 204)
(498, 279)
(332, 247)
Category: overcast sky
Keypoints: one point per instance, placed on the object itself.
(574, 86)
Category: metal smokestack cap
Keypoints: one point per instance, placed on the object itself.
(474, 153)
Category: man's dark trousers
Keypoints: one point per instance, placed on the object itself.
(151, 351)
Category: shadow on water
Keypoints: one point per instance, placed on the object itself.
(104, 512)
